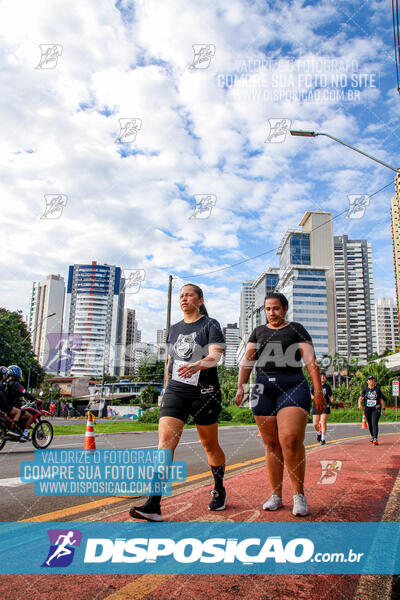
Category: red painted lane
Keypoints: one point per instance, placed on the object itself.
(364, 473)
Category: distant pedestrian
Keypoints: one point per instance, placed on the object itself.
(320, 420)
(52, 408)
(372, 401)
(66, 411)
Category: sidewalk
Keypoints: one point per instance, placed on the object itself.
(359, 486)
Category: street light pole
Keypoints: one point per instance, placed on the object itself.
(299, 133)
(26, 337)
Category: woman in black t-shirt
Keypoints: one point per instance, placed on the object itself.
(372, 401)
(281, 399)
(195, 346)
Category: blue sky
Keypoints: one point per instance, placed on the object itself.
(199, 131)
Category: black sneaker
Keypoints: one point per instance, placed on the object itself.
(150, 511)
(323, 442)
(319, 437)
(218, 500)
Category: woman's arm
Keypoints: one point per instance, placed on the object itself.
(310, 361)
(245, 369)
(166, 376)
(361, 402)
(383, 402)
(214, 354)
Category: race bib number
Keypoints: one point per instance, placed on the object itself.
(192, 380)
(371, 403)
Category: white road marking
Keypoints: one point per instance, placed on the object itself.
(12, 482)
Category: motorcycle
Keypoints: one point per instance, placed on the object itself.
(41, 430)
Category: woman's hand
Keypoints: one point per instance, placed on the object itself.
(239, 396)
(189, 369)
(319, 401)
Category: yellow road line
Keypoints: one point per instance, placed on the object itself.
(73, 510)
(140, 587)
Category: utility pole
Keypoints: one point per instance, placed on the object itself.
(170, 279)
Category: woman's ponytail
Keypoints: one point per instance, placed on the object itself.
(203, 310)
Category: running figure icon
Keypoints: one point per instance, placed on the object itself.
(63, 543)
(62, 549)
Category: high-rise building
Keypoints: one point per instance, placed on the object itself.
(246, 305)
(318, 224)
(387, 325)
(355, 304)
(94, 312)
(231, 334)
(395, 220)
(129, 326)
(306, 278)
(47, 298)
(161, 337)
(306, 291)
(266, 282)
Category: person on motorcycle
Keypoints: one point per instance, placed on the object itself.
(3, 389)
(15, 394)
(12, 412)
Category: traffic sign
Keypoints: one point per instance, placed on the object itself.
(395, 388)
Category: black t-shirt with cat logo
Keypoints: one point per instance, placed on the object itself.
(372, 397)
(189, 342)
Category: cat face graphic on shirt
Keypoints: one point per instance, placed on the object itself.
(185, 345)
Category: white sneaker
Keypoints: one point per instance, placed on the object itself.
(299, 505)
(273, 503)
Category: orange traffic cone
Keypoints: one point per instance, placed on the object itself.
(364, 422)
(258, 434)
(89, 442)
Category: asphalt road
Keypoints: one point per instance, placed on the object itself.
(18, 501)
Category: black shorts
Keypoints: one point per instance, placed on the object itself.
(275, 391)
(327, 411)
(203, 402)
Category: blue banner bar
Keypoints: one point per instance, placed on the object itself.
(200, 548)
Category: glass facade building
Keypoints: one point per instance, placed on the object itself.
(306, 292)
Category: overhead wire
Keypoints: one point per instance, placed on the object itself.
(241, 262)
(396, 42)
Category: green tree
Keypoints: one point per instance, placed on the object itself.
(149, 395)
(150, 370)
(15, 346)
(54, 394)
